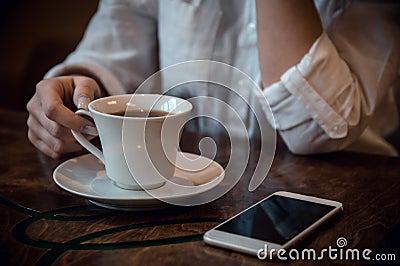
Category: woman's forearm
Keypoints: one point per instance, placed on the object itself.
(286, 31)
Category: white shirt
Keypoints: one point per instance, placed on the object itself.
(340, 95)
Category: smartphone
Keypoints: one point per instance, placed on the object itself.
(274, 223)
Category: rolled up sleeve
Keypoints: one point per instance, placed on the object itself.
(319, 105)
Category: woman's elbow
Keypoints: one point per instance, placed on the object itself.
(301, 147)
(310, 140)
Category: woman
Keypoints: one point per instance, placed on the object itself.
(327, 67)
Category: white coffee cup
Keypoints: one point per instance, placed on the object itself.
(138, 152)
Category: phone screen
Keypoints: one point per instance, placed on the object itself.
(277, 219)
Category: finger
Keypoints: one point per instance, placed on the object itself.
(52, 127)
(86, 89)
(40, 145)
(56, 145)
(83, 101)
(54, 108)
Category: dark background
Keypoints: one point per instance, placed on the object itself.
(34, 36)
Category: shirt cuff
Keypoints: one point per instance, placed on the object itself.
(305, 91)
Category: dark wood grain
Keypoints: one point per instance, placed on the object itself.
(41, 223)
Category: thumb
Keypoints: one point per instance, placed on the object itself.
(86, 89)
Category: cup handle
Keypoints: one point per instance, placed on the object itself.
(83, 141)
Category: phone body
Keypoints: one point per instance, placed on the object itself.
(274, 223)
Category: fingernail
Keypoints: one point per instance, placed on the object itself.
(83, 101)
(89, 130)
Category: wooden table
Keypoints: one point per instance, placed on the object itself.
(43, 224)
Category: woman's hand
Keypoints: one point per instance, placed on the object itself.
(51, 114)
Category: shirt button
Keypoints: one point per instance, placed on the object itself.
(252, 25)
(339, 129)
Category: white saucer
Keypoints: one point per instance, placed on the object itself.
(85, 176)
